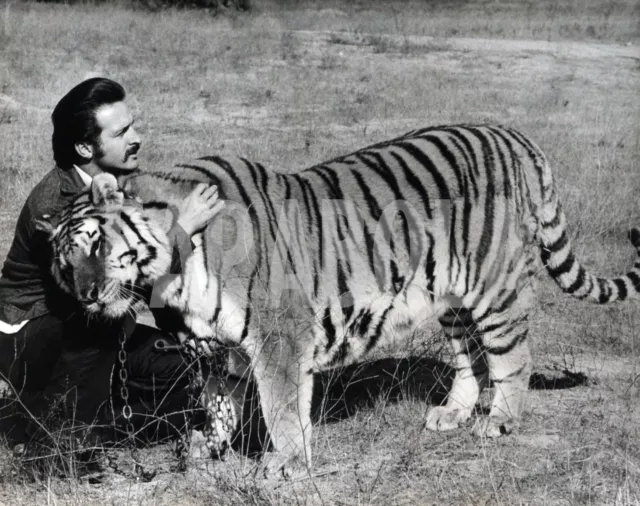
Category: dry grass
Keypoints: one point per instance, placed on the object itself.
(295, 83)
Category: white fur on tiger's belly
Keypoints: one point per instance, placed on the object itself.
(412, 312)
(228, 324)
(412, 308)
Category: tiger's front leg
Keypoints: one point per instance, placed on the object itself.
(193, 293)
(285, 386)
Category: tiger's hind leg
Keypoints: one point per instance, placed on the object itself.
(471, 375)
(490, 345)
(492, 349)
(506, 350)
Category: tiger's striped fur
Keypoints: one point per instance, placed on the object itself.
(308, 270)
(104, 250)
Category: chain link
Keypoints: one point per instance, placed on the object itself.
(220, 423)
(124, 390)
(138, 472)
(220, 413)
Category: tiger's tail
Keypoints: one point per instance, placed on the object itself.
(565, 269)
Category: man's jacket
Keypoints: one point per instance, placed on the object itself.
(27, 289)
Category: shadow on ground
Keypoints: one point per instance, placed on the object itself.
(340, 393)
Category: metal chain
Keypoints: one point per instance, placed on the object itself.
(124, 390)
(133, 471)
(224, 410)
(139, 472)
(221, 416)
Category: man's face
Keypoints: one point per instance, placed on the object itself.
(117, 145)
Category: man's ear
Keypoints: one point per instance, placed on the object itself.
(84, 149)
(47, 224)
(105, 194)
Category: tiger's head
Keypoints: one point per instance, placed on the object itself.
(105, 250)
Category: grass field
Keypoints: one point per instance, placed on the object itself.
(294, 83)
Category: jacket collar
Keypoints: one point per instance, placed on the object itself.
(70, 181)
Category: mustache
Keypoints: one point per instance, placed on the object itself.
(131, 151)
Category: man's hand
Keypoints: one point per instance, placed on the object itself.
(198, 208)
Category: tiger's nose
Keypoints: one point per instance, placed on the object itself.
(92, 294)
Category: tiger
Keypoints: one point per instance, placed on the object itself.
(441, 228)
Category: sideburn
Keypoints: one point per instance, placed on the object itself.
(98, 152)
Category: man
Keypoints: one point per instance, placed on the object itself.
(49, 350)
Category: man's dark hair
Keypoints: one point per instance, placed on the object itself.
(74, 118)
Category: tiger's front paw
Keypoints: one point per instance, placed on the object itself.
(493, 427)
(280, 466)
(443, 418)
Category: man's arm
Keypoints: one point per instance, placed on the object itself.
(181, 247)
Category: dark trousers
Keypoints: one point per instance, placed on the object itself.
(73, 365)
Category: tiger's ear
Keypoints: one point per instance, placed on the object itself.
(105, 194)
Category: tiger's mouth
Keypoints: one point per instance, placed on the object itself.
(114, 309)
(115, 300)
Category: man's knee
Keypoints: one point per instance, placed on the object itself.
(149, 361)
